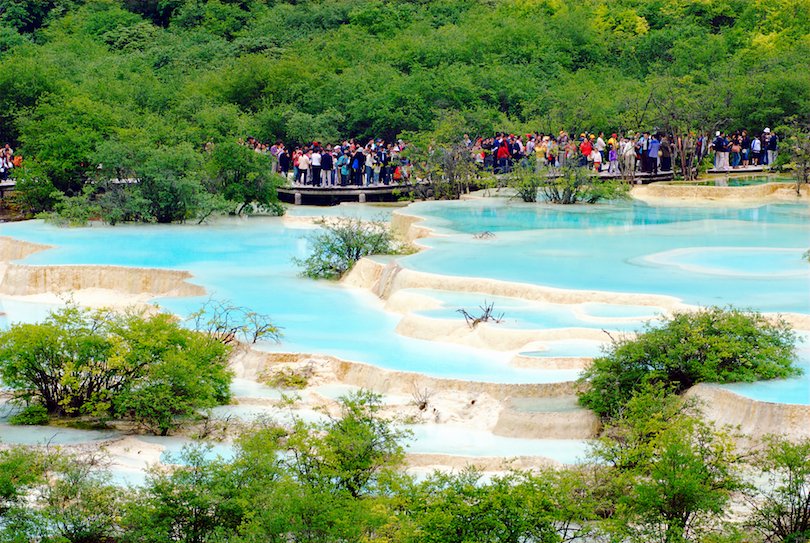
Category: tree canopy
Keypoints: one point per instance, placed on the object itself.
(161, 77)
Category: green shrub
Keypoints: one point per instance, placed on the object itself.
(33, 415)
(711, 345)
(526, 182)
(576, 185)
(288, 378)
(342, 242)
(148, 369)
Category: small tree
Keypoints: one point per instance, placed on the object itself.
(571, 185)
(230, 324)
(99, 363)
(244, 177)
(34, 192)
(69, 498)
(781, 506)
(447, 170)
(526, 182)
(798, 144)
(669, 474)
(714, 345)
(341, 242)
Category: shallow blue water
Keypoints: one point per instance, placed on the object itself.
(525, 314)
(749, 257)
(249, 263)
(746, 256)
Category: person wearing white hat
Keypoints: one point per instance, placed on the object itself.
(720, 145)
(773, 145)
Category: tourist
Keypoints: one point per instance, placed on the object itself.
(344, 167)
(7, 159)
(643, 150)
(304, 163)
(284, 161)
(327, 167)
(745, 145)
(585, 148)
(601, 146)
(720, 146)
(613, 160)
(772, 147)
(628, 156)
(315, 164)
(653, 148)
(756, 149)
(358, 165)
(666, 154)
(735, 152)
(596, 160)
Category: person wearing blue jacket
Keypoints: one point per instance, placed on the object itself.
(652, 154)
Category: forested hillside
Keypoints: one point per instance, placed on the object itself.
(83, 80)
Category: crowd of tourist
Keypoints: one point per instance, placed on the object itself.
(741, 149)
(380, 162)
(339, 164)
(8, 161)
(644, 152)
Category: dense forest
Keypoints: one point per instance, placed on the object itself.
(123, 82)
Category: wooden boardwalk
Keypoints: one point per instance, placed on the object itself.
(331, 195)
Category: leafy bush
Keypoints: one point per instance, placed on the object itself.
(710, 345)
(72, 211)
(781, 501)
(32, 415)
(288, 378)
(96, 362)
(526, 182)
(577, 185)
(34, 192)
(342, 242)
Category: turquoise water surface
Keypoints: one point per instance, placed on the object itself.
(746, 256)
(749, 257)
(249, 263)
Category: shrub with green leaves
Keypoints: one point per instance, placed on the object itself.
(572, 185)
(32, 415)
(711, 345)
(341, 242)
(100, 363)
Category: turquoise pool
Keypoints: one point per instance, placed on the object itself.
(750, 257)
(746, 256)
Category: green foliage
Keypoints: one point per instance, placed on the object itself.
(20, 470)
(670, 475)
(189, 504)
(75, 211)
(710, 345)
(446, 170)
(341, 242)
(526, 182)
(316, 482)
(173, 73)
(241, 175)
(571, 185)
(31, 415)
(781, 507)
(287, 378)
(514, 507)
(83, 362)
(70, 500)
(34, 193)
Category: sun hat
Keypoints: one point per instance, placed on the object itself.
(767, 130)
